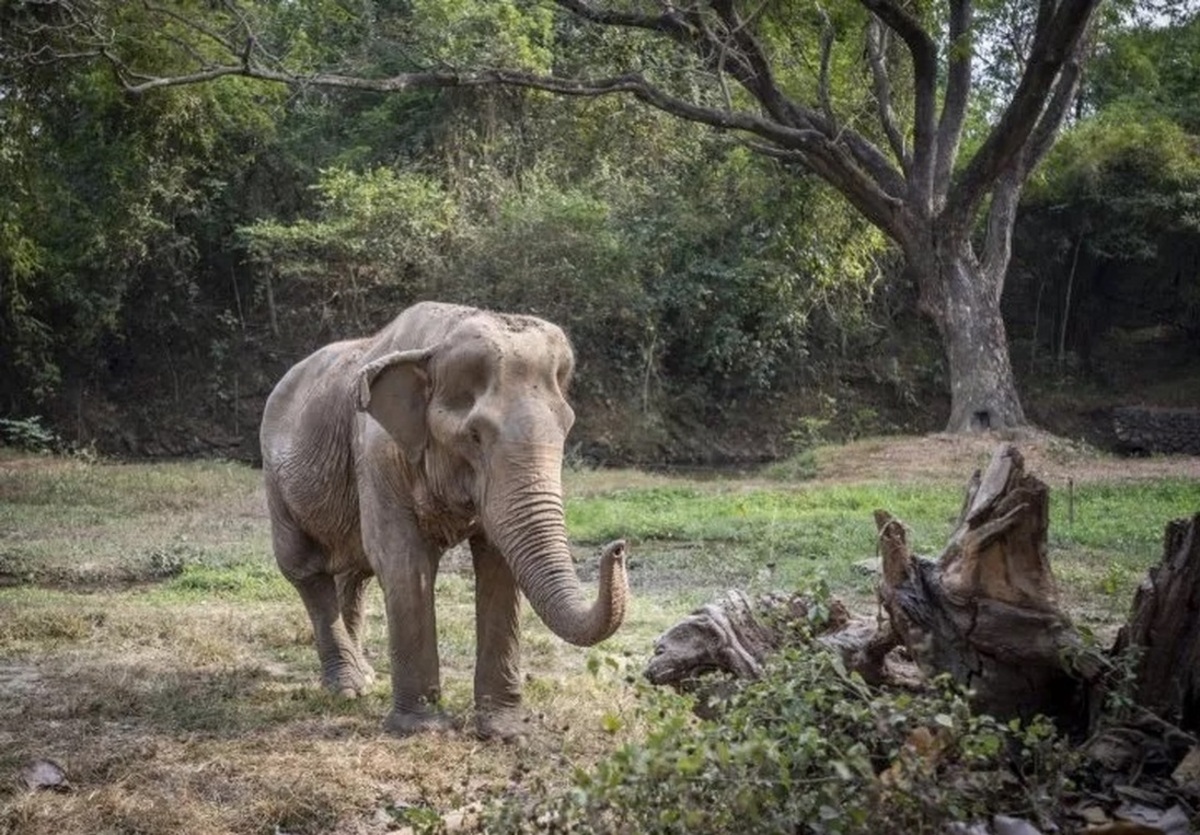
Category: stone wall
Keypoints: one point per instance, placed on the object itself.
(1146, 430)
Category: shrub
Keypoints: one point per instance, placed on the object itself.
(28, 434)
(809, 748)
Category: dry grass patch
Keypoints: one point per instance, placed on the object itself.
(940, 458)
(205, 716)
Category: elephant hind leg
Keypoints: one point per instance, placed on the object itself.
(352, 592)
(304, 563)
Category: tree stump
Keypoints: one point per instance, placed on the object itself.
(1165, 629)
(986, 610)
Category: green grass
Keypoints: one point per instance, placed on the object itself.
(704, 536)
(146, 636)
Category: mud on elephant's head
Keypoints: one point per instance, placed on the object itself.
(481, 419)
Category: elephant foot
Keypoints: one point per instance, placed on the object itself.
(407, 722)
(366, 670)
(510, 724)
(349, 681)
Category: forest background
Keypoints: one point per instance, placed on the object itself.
(164, 258)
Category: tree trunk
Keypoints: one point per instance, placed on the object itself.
(986, 611)
(1165, 630)
(983, 392)
(964, 302)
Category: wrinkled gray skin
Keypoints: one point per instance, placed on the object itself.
(381, 453)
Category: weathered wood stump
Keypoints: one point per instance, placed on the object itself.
(986, 613)
(986, 610)
(1164, 628)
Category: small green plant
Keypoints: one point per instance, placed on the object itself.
(1113, 580)
(862, 422)
(810, 431)
(28, 434)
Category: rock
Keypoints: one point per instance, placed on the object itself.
(44, 774)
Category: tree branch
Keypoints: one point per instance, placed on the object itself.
(1007, 193)
(188, 23)
(671, 22)
(958, 91)
(1065, 90)
(753, 71)
(1002, 215)
(880, 208)
(735, 50)
(877, 37)
(827, 35)
(924, 57)
(1053, 45)
(249, 69)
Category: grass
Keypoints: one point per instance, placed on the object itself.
(148, 644)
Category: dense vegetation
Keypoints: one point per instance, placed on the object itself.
(164, 257)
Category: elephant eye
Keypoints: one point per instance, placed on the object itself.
(476, 438)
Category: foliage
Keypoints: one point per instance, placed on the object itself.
(657, 297)
(169, 240)
(513, 33)
(29, 434)
(810, 748)
(1132, 178)
(1152, 68)
(376, 228)
(120, 213)
(1111, 221)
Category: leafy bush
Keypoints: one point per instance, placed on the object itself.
(29, 434)
(809, 748)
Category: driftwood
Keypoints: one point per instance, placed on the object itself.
(727, 639)
(731, 638)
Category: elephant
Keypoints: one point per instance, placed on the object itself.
(381, 453)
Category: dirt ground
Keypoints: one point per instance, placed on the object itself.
(942, 457)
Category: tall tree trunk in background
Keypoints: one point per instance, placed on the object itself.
(963, 300)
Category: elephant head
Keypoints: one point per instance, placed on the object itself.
(481, 420)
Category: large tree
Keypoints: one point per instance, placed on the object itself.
(873, 96)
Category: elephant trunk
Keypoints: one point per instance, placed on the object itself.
(523, 515)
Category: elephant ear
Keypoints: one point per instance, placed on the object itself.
(394, 390)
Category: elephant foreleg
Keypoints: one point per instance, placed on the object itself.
(405, 563)
(352, 592)
(498, 649)
(412, 637)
